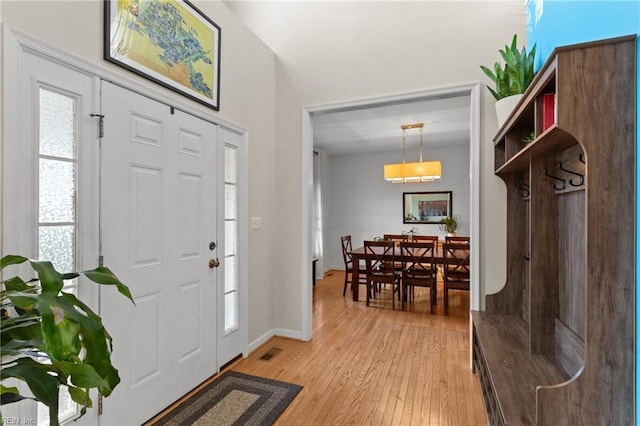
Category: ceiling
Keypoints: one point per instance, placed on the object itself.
(446, 123)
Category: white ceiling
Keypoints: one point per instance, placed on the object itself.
(339, 51)
(446, 123)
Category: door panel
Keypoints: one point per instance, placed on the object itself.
(158, 217)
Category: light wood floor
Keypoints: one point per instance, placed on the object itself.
(375, 366)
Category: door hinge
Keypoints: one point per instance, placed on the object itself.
(101, 124)
(101, 261)
(99, 405)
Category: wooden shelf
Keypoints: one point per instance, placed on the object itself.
(552, 140)
(514, 372)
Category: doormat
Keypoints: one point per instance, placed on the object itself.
(234, 399)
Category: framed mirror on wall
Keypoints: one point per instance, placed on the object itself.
(426, 207)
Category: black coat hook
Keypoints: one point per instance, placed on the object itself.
(581, 176)
(523, 187)
(563, 183)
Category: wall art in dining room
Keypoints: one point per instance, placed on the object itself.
(426, 207)
(170, 42)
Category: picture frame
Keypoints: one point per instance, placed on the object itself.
(170, 42)
(426, 207)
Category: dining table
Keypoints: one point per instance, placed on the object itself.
(359, 254)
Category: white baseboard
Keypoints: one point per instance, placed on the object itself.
(291, 334)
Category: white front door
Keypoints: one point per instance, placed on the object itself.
(158, 221)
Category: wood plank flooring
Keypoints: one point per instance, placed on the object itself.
(375, 366)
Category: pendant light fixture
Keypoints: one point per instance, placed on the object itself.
(422, 171)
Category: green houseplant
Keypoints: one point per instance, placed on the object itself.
(51, 339)
(512, 79)
(449, 225)
(517, 73)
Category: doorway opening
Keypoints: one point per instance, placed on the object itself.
(472, 93)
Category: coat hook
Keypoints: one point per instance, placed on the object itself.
(524, 193)
(555, 185)
(573, 173)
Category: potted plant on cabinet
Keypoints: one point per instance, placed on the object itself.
(512, 80)
(51, 339)
(449, 225)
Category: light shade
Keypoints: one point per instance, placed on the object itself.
(424, 171)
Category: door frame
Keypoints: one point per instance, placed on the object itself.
(15, 43)
(471, 90)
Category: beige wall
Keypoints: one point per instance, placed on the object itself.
(339, 51)
(247, 99)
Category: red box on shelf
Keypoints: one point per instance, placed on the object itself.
(548, 110)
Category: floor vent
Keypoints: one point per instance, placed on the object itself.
(270, 354)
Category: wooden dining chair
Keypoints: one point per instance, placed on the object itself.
(419, 270)
(380, 258)
(457, 240)
(348, 265)
(396, 238)
(456, 268)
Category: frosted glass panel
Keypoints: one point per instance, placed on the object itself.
(230, 197)
(57, 245)
(230, 164)
(57, 191)
(57, 124)
(230, 312)
(230, 237)
(230, 274)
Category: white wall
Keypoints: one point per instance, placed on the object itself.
(247, 98)
(341, 51)
(326, 52)
(362, 204)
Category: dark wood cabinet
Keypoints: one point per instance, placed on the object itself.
(556, 345)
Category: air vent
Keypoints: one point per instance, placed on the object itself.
(270, 354)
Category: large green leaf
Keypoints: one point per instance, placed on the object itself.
(80, 396)
(60, 327)
(44, 386)
(82, 375)
(22, 347)
(51, 280)
(12, 259)
(102, 275)
(16, 284)
(96, 343)
(9, 395)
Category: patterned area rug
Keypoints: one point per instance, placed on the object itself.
(234, 399)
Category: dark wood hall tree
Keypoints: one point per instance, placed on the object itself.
(556, 345)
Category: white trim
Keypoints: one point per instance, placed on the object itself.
(243, 234)
(307, 220)
(474, 168)
(280, 332)
(473, 90)
(240, 145)
(260, 340)
(292, 334)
